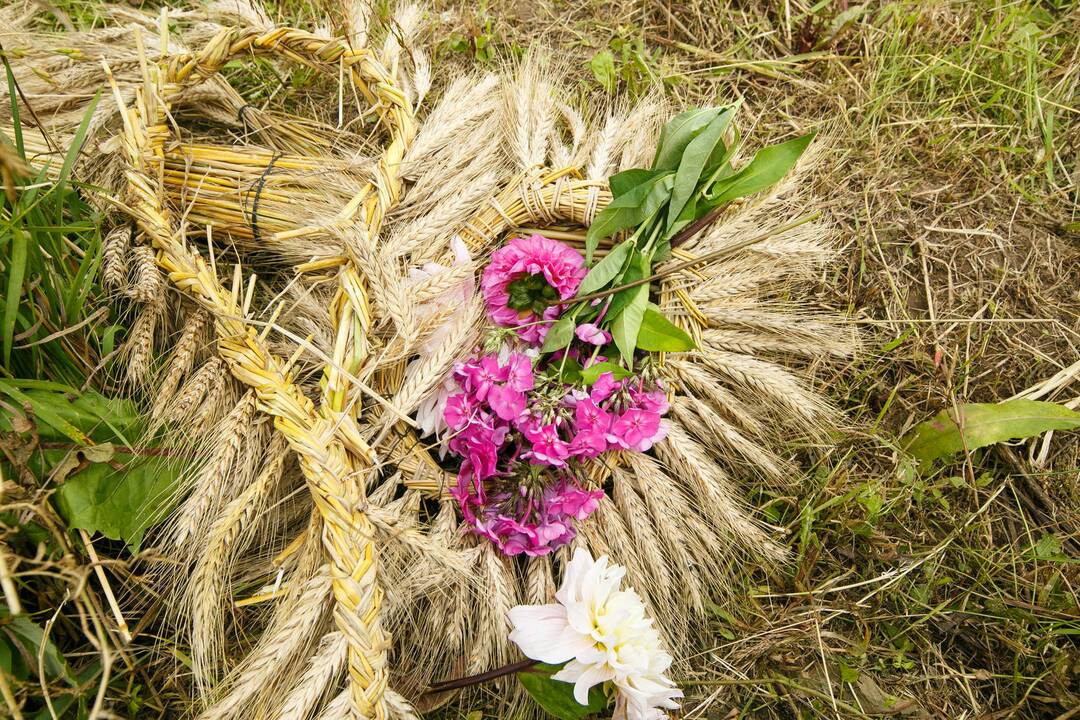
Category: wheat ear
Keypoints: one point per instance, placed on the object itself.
(330, 470)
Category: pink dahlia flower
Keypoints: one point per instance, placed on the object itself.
(526, 281)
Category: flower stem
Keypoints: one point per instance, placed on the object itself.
(711, 257)
(457, 683)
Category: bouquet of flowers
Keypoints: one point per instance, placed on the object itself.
(568, 373)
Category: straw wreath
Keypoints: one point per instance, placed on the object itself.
(337, 229)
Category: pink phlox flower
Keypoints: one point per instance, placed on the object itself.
(459, 410)
(604, 387)
(519, 372)
(589, 444)
(571, 501)
(477, 376)
(635, 430)
(592, 334)
(478, 440)
(508, 403)
(516, 522)
(588, 416)
(547, 447)
(651, 401)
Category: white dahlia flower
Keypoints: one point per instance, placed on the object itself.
(602, 634)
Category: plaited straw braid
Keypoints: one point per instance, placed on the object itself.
(333, 474)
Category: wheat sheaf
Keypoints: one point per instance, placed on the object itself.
(294, 286)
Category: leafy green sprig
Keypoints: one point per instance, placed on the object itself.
(691, 180)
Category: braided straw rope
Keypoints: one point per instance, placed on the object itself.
(332, 455)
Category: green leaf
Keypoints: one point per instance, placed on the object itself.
(625, 327)
(568, 370)
(658, 334)
(120, 504)
(69, 414)
(768, 167)
(24, 638)
(627, 180)
(985, 424)
(678, 133)
(694, 161)
(20, 243)
(638, 268)
(592, 373)
(560, 334)
(603, 69)
(557, 697)
(848, 674)
(13, 96)
(628, 210)
(77, 141)
(46, 412)
(607, 269)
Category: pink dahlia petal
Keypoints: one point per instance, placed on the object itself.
(560, 266)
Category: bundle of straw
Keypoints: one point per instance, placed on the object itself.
(358, 314)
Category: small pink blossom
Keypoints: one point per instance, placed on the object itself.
(478, 376)
(519, 372)
(547, 447)
(459, 410)
(604, 386)
(592, 334)
(636, 430)
(651, 401)
(589, 416)
(508, 403)
(515, 520)
(589, 444)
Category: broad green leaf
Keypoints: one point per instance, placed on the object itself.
(625, 327)
(607, 269)
(603, 69)
(693, 211)
(68, 413)
(693, 162)
(986, 424)
(45, 412)
(557, 697)
(560, 334)
(768, 166)
(658, 334)
(120, 504)
(678, 133)
(627, 180)
(592, 373)
(637, 269)
(628, 210)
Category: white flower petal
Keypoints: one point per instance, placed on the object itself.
(538, 631)
(584, 678)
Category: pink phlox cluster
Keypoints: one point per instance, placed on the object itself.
(498, 435)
